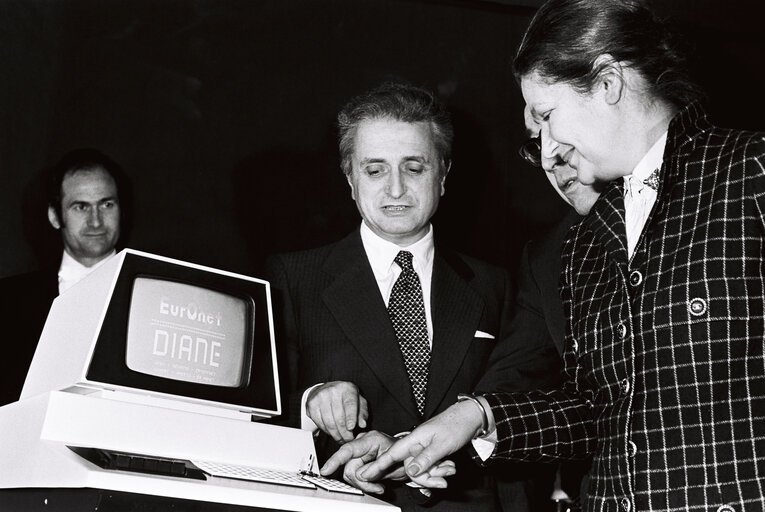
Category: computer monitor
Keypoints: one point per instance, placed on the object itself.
(150, 327)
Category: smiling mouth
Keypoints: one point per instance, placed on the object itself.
(395, 208)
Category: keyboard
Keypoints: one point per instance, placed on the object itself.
(303, 479)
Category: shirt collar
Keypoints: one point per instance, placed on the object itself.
(381, 253)
(72, 270)
(651, 161)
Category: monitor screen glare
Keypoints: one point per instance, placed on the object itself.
(186, 333)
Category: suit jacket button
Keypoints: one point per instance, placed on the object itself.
(632, 449)
(636, 278)
(626, 505)
(726, 508)
(621, 330)
(697, 306)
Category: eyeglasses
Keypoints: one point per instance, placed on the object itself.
(531, 151)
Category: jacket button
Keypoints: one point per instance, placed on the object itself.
(621, 330)
(631, 449)
(697, 306)
(636, 278)
(626, 505)
(625, 385)
(726, 508)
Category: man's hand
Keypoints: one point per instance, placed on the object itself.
(428, 444)
(337, 408)
(356, 454)
(366, 448)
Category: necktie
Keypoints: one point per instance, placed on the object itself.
(407, 313)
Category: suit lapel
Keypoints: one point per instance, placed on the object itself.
(354, 300)
(607, 223)
(457, 311)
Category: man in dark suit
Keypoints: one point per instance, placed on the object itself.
(351, 366)
(84, 206)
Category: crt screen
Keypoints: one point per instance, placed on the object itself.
(186, 333)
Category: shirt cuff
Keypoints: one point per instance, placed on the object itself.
(307, 423)
(484, 446)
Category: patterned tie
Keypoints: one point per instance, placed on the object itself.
(407, 313)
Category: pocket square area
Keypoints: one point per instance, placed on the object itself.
(481, 334)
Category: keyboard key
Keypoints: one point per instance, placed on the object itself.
(330, 484)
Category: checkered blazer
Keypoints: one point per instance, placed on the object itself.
(664, 353)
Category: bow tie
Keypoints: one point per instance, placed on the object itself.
(652, 180)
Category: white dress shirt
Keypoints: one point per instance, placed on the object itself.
(639, 198)
(71, 270)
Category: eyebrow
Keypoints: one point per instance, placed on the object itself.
(99, 201)
(366, 161)
(420, 159)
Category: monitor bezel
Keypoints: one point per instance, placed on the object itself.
(259, 389)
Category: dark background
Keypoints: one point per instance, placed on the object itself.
(222, 111)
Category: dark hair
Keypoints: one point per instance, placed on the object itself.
(399, 102)
(566, 37)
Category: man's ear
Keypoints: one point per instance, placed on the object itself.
(610, 80)
(53, 218)
(447, 167)
(350, 184)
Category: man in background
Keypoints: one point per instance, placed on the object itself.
(386, 327)
(84, 206)
(539, 317)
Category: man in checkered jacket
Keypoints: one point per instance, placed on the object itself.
(663, 283)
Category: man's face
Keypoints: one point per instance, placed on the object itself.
(563, 177)
(90, 215)
(584, 131)
(395, 178)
